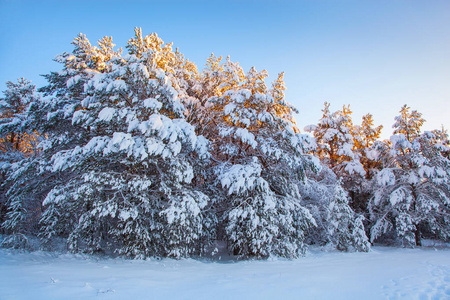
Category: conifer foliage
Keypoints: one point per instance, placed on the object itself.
(15, 136)
(401, 185)
(346, 230)
(346, 149)
(338, 226)
(117, 138)
(18, 143)
(335, 140)
(411, 194)
(261, 160)
(134, 190)
(142, 155)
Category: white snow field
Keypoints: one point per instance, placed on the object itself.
(383, 273)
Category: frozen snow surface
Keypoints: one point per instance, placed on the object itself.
(383, 273)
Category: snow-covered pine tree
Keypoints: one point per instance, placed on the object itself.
(337, 147)
(17, 145)
(345, 228)
(408, 123)
(412, 190)
(31, 179)
(15, 137)
(260, 157)
(120, 156)
(143, 153)
(335, 141)
(365, 137)
(338, 225)
(441, 140)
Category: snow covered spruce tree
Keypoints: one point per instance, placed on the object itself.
(366, 138)
(18, 142)
(335, 144)
(118, 141)
(345, 228)
(15, 137)
(412, 190)
(338, 226)
(347, 150)
(51, 116)
(259, 160)
(441, 141)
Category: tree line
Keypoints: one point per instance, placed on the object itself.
(141, 154)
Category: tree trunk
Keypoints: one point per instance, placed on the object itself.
(418, 238)
(17, 143)
(417, 231)
(12, 138)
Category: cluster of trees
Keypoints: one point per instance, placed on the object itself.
(141, 154)
(401, 185)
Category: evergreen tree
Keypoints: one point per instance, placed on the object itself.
(15, 137)
(365, 136)
(118, 140)
(346, 230)
(334, 136)
(341, 146)
(411, 192)
(337, 224)
(17, 143)
(260, 157)
(408, 123)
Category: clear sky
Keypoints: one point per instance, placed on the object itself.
(374, 55)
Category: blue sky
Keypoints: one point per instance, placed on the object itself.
(374, 55)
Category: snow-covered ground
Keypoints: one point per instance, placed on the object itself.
(384, 273)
